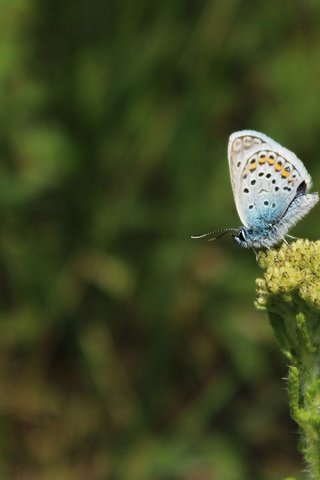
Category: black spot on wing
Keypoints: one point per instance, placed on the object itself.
(302, 189)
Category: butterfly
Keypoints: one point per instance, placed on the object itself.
(270, 187)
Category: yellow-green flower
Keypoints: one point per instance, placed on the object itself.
(290, 292)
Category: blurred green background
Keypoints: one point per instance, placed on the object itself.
(127, 350)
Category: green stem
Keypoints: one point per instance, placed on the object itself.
(290, 292)
(306, 415)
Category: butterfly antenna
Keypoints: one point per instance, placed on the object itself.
(216, 233)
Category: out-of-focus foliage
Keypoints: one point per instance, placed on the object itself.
(128, 351)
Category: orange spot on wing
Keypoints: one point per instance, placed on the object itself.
(271, 161)
(278, 167)
(252, 166)
(284, 173)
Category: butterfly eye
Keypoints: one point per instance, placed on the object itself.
(241, 236)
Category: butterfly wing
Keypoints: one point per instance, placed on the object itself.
(265, 177)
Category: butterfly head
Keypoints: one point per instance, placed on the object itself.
(240, 238)
(260, 236)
